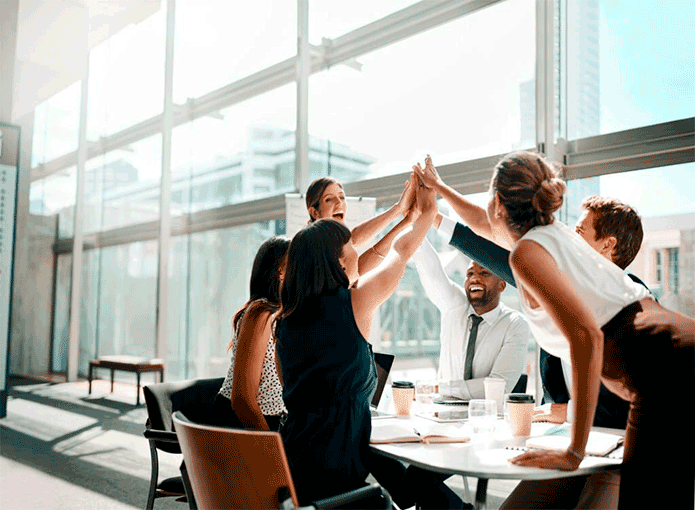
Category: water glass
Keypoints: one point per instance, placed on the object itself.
(482, 418)
(426, 392)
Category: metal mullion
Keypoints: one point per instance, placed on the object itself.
(402, 24)
(161, 325)
(76, 283)
(301, 167)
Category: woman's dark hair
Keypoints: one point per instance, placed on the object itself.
(529, 189)
(264, 286)
(313, 265)
(315, 192)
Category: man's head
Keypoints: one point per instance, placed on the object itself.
(612, 228)
(483, 288)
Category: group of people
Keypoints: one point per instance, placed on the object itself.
(302, 362)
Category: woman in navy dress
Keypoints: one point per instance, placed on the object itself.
(326, 362)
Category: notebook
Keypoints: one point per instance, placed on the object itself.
(383, 367)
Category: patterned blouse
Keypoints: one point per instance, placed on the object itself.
(269, 391)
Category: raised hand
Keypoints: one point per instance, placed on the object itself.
(414, 211)
(405, 203)
(428, 175)
(426, 197)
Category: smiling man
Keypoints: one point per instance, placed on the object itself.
(480, 336)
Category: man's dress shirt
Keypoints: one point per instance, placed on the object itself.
(503, 335)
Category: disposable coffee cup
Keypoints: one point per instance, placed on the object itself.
(403, 396)
(518, 413)
(494, 390)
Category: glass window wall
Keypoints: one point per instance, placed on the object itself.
(628, 67)
(240, 153)
(458, 91)
(126, 77)
(55, 195)
(209, 274)
(56, 125)
(219, 42)
(122, 187)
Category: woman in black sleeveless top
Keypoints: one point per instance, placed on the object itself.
(326, 362)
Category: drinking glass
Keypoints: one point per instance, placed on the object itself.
(426, 392)
(482, 418)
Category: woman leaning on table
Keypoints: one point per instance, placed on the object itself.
(251, 395)
(325, 198)
(583, 309)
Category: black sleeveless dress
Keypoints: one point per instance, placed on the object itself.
(329, 378)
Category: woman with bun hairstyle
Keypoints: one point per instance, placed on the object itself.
(583, 309)
(325, 198)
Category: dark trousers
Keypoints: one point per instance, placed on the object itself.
(411, 486)
(222, 415)
(656, 377)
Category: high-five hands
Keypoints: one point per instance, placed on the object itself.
(426, 197)
(428, 175)
(407, 200)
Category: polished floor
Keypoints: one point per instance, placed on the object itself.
(61, 448)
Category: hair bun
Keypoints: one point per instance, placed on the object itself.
(548, 199)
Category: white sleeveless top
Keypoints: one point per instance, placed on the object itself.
(269, 391)
(603, 286)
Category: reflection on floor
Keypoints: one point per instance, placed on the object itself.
(61, 448)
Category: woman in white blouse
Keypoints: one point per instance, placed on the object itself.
(584, 310)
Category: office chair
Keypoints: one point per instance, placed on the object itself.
(193, 396)
(236, 468)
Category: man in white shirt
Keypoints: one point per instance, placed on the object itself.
(476, 329)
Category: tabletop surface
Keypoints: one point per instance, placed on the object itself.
(485, 460)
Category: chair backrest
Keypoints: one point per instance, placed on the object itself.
(194, 397)
(233, 468)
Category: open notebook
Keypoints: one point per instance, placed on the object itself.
(384, 362)
(600, 444)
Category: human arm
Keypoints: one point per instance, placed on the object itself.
(440, 289)
(486, 253)
(538, 275)
(474, 215)
(506, 363)
(365, 231)
(252, 343)
(377, 285)
(373, 256)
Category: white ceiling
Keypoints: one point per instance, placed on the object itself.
(53, 40)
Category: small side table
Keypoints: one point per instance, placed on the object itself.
(135, 364)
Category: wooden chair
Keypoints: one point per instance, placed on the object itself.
(194, 397)
(235, 468)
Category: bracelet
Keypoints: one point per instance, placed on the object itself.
(377, 253)
(576, 455)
